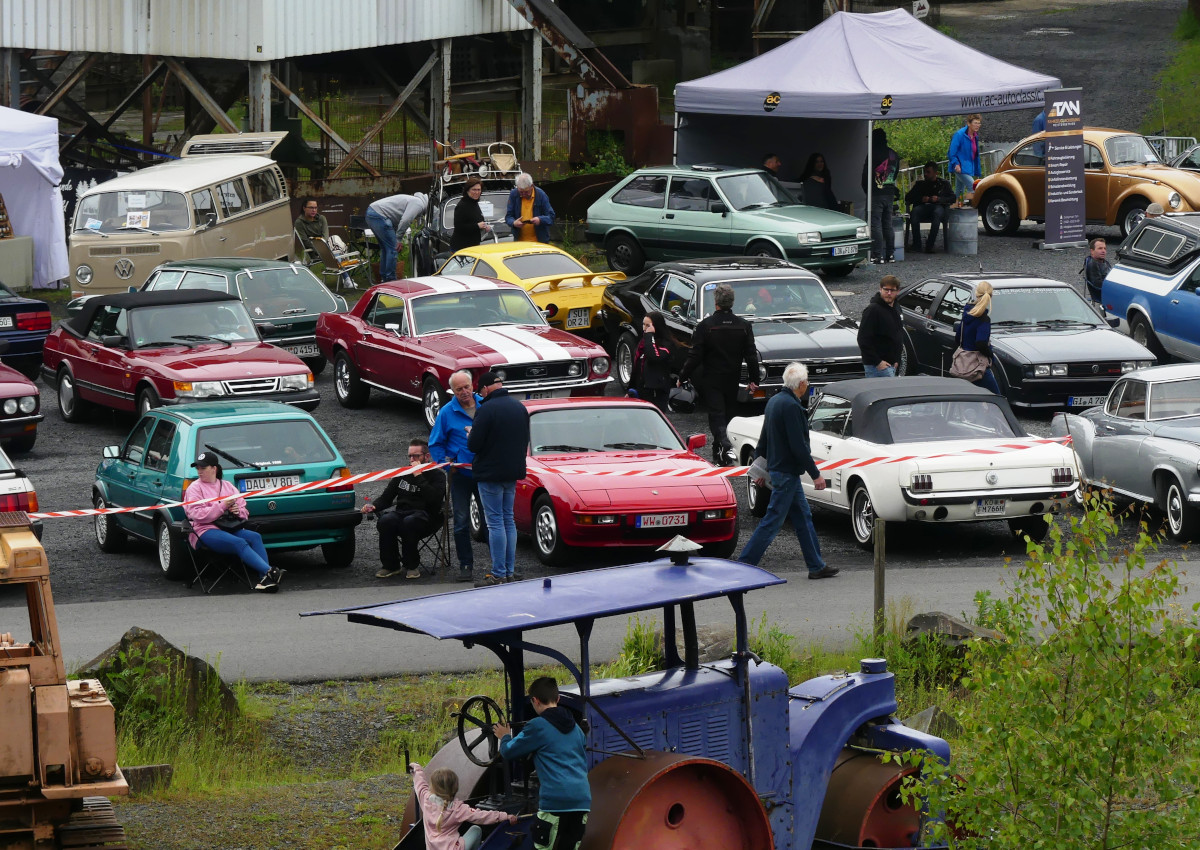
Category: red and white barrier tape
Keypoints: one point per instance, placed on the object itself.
(416, 469)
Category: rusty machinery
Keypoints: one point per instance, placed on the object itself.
(721, 755)
(58, 742)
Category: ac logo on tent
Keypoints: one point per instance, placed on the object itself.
(771, 101)
(885, 104)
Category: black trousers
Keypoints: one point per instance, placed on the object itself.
(403, 529)
(720, 399)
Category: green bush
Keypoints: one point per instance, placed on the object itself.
(919, 140)
(1173, 109)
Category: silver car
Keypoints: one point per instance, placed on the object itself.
(1143, 442)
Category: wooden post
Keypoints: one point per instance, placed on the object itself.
(880, 569)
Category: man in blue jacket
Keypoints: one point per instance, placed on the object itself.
(964, 155)
(499, 437)
(529, 213)
(784, 443)
(448, 444)
(559, 750)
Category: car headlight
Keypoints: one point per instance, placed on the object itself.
(600, 366)
(808, 237)
(862, 232)
(1058, 370)
(83, 274)
(10, 406)
(1041, 371)
(294, 383)
(574, 370)
(1174, 200)
(1145, 364)
(28, 403)
(198, 389)
(1128, 366)
(501, 374)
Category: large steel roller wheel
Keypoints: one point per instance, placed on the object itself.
(475, 721)
(862, 805)
(670, 801)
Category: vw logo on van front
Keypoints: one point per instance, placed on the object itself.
(124, 268)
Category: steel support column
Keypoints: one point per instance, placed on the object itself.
(439, 101)
(258, 110)
(10, 78)
(531, 97)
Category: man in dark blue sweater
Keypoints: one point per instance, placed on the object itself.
(784, 443)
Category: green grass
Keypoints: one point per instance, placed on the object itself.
(1174, 107)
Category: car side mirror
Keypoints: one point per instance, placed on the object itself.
(112, 451)
(394, 328)
(676, 312)
(132, 289)
(112, 341)
(719, 207)
(697, 441)
(210, 219)
(1113, 321)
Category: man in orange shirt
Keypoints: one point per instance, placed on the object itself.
(529, 213)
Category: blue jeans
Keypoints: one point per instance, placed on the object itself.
(497, 498)
(876, 372)
(787, 502)
(883, 238)
(244, 543)
(386, 234)
(988, 382)
(963, 182)
(462, 487)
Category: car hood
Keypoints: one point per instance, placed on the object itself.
(13, 383)
(219, 362)
(1185, 182)
(631, 491)
(781, 338)
(510, 344)
(1067, 345)
(797, 218)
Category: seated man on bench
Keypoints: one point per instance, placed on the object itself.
(409, 510)
(928, 199)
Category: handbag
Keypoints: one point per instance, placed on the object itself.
(969, 365)
(225, 522)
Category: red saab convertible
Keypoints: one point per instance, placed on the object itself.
(576, 507)
(407, 336)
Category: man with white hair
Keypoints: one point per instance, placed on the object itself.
(389, 219)
(529, 213)
(784, 443)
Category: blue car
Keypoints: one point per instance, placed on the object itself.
(24, 324)
(262, 444)
(1155, 287)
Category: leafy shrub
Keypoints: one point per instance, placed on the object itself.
(919, 140)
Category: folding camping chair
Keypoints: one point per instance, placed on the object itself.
(338, 267)
(211, 568)
(437, 545)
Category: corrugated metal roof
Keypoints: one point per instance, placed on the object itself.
(256, 30)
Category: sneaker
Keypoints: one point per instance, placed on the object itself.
(413, 574)
(488, 580)
(518, 576)
(271, 581)
(824, 572)
(465, 574)
(386, 573)
(890, 260)
(877, 261)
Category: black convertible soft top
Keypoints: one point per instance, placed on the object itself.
(79, 323)
(870, 399)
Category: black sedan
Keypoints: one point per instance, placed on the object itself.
(24, 324)
(431, 246)
(794, 316)
(1050, 348)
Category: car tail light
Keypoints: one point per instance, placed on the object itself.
(922, 483)
(344, 472)
(39, 321)
(187, 482)
(1062, 475)
(19, 502)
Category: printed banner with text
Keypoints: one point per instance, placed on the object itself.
(1066, 212)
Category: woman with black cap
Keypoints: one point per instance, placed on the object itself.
(219, 524)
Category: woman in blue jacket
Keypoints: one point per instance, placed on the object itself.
(977, 332)
(964, 155)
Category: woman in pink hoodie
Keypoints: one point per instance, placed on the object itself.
(442, 814)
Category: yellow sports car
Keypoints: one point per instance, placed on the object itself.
(567, 290)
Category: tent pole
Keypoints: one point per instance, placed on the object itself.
(870, 172)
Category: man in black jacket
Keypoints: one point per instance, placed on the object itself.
(721, 343)
(930, 198)
(499, 437)
(880, 333)
(409, 510)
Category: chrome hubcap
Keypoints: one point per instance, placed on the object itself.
(547, 530)
(1175, 509)
(432, 405)
(624, 363)
(101, 524)
(751, 493)
(343, 379)
(476, 516)
(998, 214)
(864, 515)
(164, 547)
(66, 395)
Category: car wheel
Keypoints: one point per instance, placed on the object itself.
(862, 517)
(70, 405)
(351, 392)
(316, 365)
(838, 271)
(172, 559)
(624, 253)
(1144, 335)
(764, 249)
(1033, 527)
(1182, 522)
(908, 360)
(22, 444)
(751, 495)
(1131, 214)
(340, 554)
(547, 542)
(476, 521)
(626, 346)
(1000, 213)
(147, 400)
(431, 400)
(109, 536)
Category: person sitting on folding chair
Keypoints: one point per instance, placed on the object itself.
(219, 525)
(409, 510)
(312, 224)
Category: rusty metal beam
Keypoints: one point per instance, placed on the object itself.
(351, 154)
(571, 44)
(123, 105)
(386, 117)
(196, 90)
(57, 94)
(413, 109)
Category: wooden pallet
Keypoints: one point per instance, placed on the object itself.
(6, 231)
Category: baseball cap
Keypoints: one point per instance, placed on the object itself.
(206, 459)
(488, 378)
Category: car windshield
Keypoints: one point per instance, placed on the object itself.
(1129, 150)
(273, 443)
(190, 324)
(1175, 398)
(491, 204)
(769, 297)
(7, 294)
(283, 292)
(600, 429)
(545, 264)
(754, 191)
(479, 309)
(958, 419)
(1045, 306)
(121, 212)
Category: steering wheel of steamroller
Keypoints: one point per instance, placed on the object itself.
(475, 720)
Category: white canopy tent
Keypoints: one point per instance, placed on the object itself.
(29, 176)
(824, 90)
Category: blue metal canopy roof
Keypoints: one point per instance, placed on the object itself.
(538, 603)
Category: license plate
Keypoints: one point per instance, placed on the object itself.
(661, 520)
(303, 350)
(540, 394)
(6, 321)
(990, 507)
(580, 317)
(266, 482)
(1086, 400)
(845, 250)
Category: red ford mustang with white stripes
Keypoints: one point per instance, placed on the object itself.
(407, 337)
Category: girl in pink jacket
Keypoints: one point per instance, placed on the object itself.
(442, 814)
